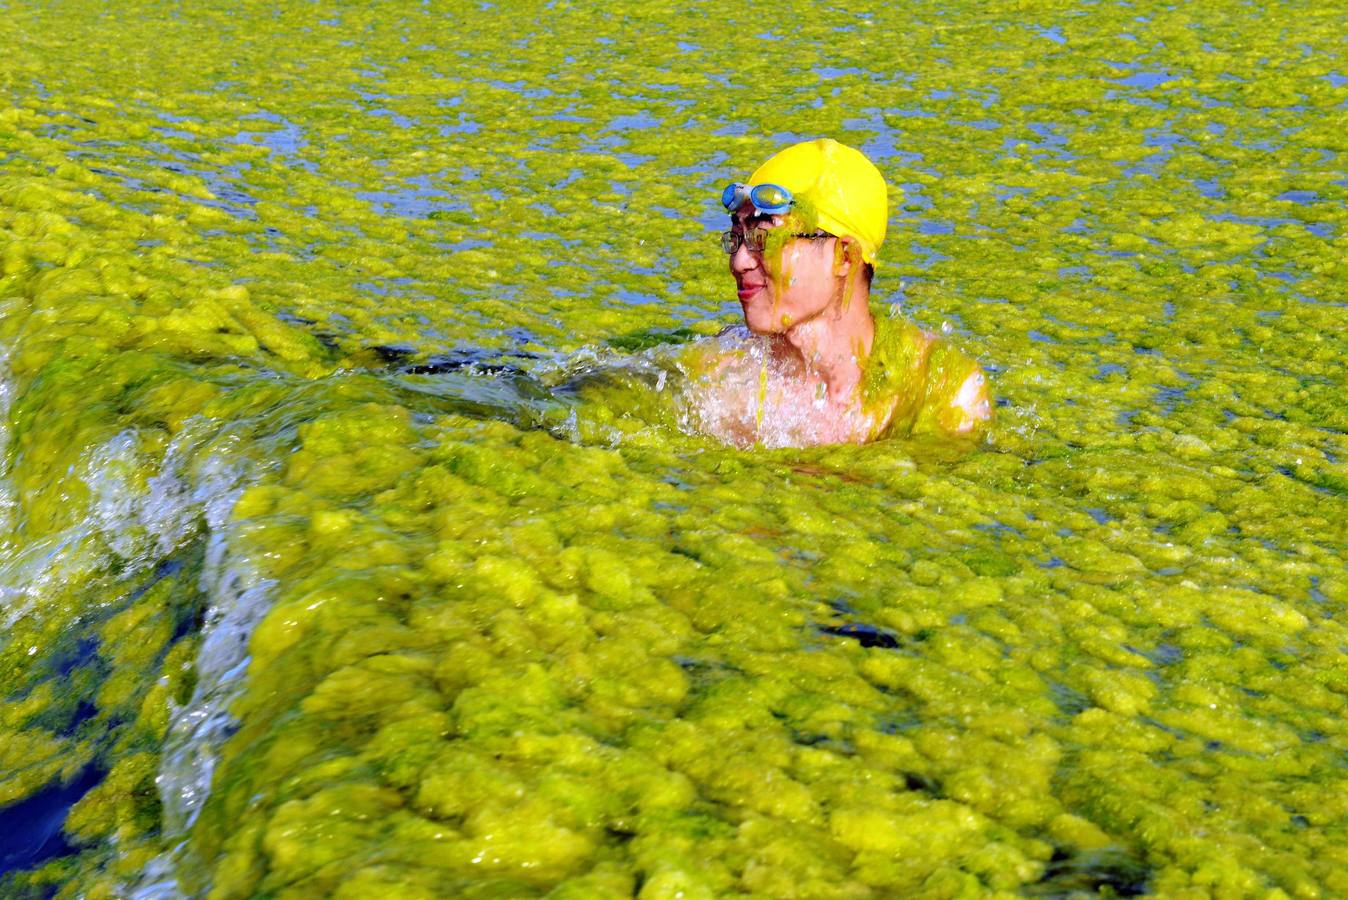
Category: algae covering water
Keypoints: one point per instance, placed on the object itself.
(355, 542)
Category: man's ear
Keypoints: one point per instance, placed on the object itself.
(845, 255)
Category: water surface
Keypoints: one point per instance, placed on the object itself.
(350, 543)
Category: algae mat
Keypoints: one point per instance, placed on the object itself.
(355, 541)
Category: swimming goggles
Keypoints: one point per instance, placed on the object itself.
(769, 199)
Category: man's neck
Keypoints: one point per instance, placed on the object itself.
(833, 344)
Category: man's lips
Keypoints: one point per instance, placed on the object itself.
(748, 290)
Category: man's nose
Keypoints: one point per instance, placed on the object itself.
(743, 259)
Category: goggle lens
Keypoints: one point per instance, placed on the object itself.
(770, 199)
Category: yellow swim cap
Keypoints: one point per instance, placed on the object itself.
(844, 187)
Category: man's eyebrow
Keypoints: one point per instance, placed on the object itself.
(752, 220)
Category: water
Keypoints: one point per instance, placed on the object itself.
(358, 537)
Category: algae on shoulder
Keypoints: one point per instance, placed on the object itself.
(916, 377)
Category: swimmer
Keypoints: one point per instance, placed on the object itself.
(804, 232)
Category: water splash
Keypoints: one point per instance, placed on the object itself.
(238, 599)
(136, 521)
(750, 396)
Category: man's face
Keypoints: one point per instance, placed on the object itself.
(791, 280)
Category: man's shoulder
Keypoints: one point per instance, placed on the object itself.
(925, 377)
(898, 348)
(899, 338)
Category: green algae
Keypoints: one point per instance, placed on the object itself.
(916, 375)
(496, 651)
